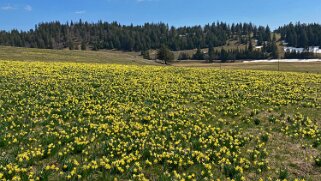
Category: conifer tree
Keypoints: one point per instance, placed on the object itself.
(211, 54)
(165, 54)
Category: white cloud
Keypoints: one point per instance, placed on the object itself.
(28, 8)
(8, 8)
(80, 12)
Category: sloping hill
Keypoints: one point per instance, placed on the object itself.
(31, 54)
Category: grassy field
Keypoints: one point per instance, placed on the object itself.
(231, 45)
(133, 58)
(31, 54)
(82, 121)
(311, 67)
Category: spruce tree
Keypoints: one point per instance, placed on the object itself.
(183, 56)
(303, 40)
(250, 47)
(199, 55)
(146, 54)
(211, 54)
(268, 33)
(224, 55)
(274, 53)
(165, 54)
(83, 45)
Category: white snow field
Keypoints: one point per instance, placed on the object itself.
(284, 60)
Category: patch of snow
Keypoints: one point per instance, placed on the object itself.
(284, 60)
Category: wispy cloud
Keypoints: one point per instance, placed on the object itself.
(80, 12)
(28, 8)
(10, 7)
(7, 7)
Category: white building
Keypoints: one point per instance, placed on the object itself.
(293, 49)
(312, 49)
(258, 47)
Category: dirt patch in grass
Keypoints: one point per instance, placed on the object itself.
(286, 153)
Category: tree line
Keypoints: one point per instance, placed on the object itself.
(302, 55)
(268, 50)
(301, 35)
(105, 35)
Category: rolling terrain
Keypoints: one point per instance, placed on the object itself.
(46, 55)
(119, 57)
(78, 115)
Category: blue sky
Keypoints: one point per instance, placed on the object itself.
(24, 14)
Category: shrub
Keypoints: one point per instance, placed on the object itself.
(257, 121)
(283, 174)
(184, 56)
(265, 137)
(318, 161)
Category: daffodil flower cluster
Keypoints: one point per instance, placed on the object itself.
(73, 121)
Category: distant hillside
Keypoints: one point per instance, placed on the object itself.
(42, 55)
(104, 35)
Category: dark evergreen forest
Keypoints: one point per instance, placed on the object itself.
(104, 35)
(301, 35)
(114, 36)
